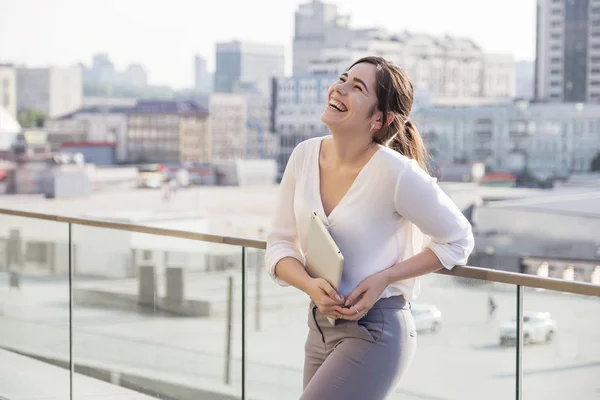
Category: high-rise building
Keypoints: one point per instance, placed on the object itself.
(202, 79)
(568, 51)
(525, 78)
(239, 64)
(298, 102)
(53, 91)
(318, 25)
(8, 89)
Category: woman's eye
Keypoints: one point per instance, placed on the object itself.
(358, 87)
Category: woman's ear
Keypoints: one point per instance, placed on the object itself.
(390, 119)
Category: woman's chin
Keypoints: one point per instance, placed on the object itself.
(330, 120)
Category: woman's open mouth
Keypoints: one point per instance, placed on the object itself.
(337, 105)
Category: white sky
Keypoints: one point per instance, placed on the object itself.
(164, 35)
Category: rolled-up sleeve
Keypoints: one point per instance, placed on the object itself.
(420, 200)
(282, 238)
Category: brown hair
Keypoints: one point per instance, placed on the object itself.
(395, 95)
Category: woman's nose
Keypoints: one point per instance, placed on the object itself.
(341, 89)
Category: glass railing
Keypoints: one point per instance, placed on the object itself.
(92, 309)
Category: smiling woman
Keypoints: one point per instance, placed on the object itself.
(368, 184)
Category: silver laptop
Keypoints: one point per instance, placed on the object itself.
(323, 258)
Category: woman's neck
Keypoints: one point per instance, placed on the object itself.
(346, 151)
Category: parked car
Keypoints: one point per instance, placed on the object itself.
(428, 318)
(151, 176)
(538, 327)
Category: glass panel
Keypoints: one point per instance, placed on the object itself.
(459, 340)
(151, 313)
(34, 309)
(462, 346)
(561, 354)
(276, 328)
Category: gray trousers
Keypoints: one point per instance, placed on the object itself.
(359, 360)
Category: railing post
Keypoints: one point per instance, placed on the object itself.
(71, 360)
(519, 347)
(244, 295)
(229, 327)
(257, 311)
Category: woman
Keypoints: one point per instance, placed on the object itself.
(368, 183)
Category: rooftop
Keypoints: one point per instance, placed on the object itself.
(167, 107)
(580, 204)
(96, 110)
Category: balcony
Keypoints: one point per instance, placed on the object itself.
(103, 310)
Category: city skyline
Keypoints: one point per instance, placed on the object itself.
(165, 43)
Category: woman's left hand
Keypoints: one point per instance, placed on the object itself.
(365, 295)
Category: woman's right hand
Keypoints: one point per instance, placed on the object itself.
(325, 297)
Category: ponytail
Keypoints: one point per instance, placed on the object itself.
(409, 143)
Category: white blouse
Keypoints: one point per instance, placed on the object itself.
(382, 219)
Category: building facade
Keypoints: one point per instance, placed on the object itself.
(52, 91)
(240, 64)
(8, 89)
(548, 139)
(525, 78)
(202, 78)
(317, 25)
(568, 51)
(228, 113)
(298, 103)
(168, 132)
(100, 124)
(450, 70)
(261, 142)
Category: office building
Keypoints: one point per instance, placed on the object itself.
(52, 91)
(202, 78)
(240, 64)
(568, 51)
(97, 124)
(168, 132)
(550, 140)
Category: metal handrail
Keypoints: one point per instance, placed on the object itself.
(559, 285)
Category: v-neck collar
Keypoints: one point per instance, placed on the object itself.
(318, 181)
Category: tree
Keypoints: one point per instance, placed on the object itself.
(29, 118)
(595, 166)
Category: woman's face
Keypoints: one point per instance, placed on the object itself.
(352, 99)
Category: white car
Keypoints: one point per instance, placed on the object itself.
(428, 318)
(538, 327)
